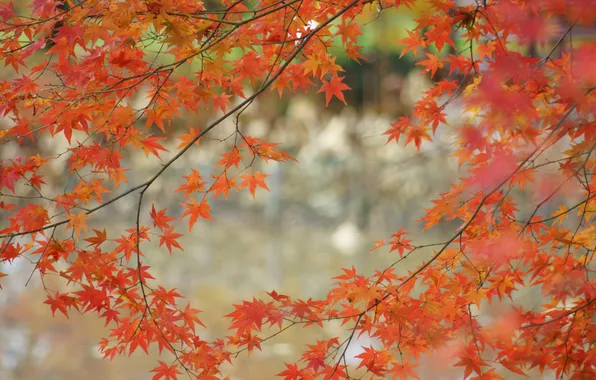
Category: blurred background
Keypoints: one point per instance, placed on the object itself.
(323, 213)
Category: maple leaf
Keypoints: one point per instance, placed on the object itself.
(471, 362)
(349, 31)
(334, 373)
(9, 252)
(221, 102)
(15, 59)
(249, 315)
(252, 181)
(8, 178)
(412, 42)
(98, 239)
(374, 361)
(266, 152)
(157, 117)
(432, 64)
(417, 134)
(222, 185)
(78, 222)
(353, 53)
(488, 375)
(162, 295)
(150, 145)
(300, 79)
(292, 372)
(165, 372)
(193, 183)
(333, 88)
(397, 128)
(230, 159)
(460, 63)
(398, 243)
(405, 371)
(194, 210)
(6, 10)
(282, 83)
(160, 219)
(190, 317)
(139, 340)
(440, 35)
(504, 286)
(348, 274)
(169, 239)
(187, 138)
(110, 316)
(61, 302)
(328, 66)
(311, 65)
(36, 181)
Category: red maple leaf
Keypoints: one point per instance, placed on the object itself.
(160, 219)
(333, 88)
(150, 145)
(169, 238)
(412, 42)
(432, 64)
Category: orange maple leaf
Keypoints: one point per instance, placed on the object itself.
(222, 185)
(98, 239)
(78, 222)
(194, 210)
(165, 372)
(187, 138)
(230, 159)
(412, 42)
(252, 181)
(150, 145)
(417, 134)
(193, 183)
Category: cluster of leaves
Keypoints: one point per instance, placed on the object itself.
(94, 60)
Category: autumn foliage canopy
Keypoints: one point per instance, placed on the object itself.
(528, 138)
